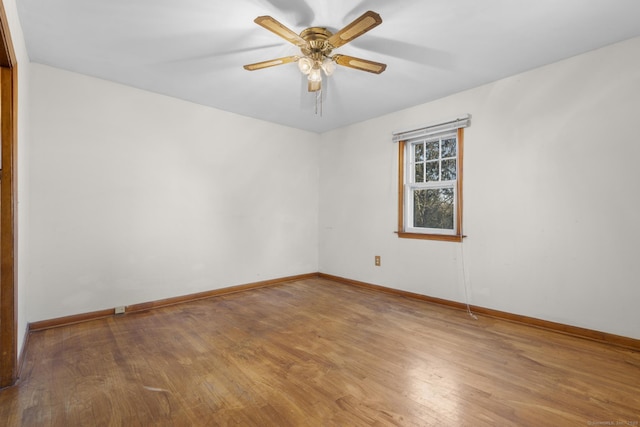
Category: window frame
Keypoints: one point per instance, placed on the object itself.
(404, 230)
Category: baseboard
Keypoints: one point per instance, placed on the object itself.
(604, 337)
(70, 320)
(135, 308)
(217, 292)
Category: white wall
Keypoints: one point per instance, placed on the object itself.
(137, 197)
(22, 166)
(551, 196)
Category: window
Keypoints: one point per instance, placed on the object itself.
(430, 182)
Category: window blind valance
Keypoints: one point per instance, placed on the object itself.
(457, 123)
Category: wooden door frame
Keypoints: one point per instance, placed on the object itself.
(8, 206)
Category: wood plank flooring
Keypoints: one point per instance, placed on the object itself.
(318, 353)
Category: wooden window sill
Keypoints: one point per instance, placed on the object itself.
(421, 236)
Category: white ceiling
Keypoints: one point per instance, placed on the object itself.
(195, 49)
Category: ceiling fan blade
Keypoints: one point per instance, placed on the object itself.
(270, 63)
(360, 64)
(277, 28)
(361, 25)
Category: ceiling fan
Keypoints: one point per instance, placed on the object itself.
(316, 45)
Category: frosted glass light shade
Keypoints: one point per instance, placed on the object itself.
(328, 66)
(305, 65)
(315, 75)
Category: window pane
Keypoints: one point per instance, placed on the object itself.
(449, 147)
(419, 153)
(433, 208)
(433, 172)
(449, 170)
(419, 175)
(433, 150)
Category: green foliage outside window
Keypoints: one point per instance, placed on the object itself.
(433, 208)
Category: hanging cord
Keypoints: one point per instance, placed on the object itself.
(465, 280)
(319, 101)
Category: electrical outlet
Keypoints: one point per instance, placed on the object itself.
(119, 310)
(377, 260)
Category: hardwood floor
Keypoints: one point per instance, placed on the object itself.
(318, 353)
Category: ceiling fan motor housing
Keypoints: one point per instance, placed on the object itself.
(318, 47)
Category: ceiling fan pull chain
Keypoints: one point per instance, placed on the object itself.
(319, 101)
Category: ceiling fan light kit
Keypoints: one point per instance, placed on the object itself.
(316, 45)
